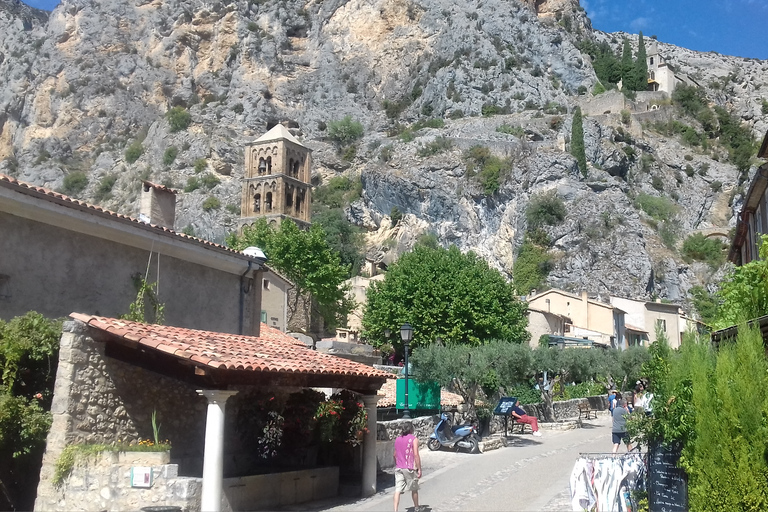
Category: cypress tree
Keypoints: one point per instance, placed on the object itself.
(627, 67)
(641, 66)
(577, 141)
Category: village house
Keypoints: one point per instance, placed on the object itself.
(753, 217)
(643, 318)
(61, 254)
(585, 318)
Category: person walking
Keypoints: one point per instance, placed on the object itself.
(520, 416)
(619, 430)
(407, 465)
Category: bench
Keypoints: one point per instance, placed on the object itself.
(520, 428)
(586, 411)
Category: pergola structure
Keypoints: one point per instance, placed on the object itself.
(215, 363)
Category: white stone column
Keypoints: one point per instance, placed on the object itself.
(369, 447)
(213, 458)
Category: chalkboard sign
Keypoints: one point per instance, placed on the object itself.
(505, 405)
(667, 483)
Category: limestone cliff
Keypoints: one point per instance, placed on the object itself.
(81, 85)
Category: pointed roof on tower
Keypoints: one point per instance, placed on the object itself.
(277, 133)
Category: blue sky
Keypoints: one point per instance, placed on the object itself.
(730, 27)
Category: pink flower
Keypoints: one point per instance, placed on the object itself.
(39, 396)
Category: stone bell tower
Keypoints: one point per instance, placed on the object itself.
(277, 179)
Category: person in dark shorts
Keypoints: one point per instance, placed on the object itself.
(619, 431)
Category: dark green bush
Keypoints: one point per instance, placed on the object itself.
(531, 267)
(659, 208)
(698, 247)
(74, 183)
(438, 145)
(211, 203)
(209, 181)
(104, 190)
(339, 192)
(545, 209)
(517, 131)
(133, 152)
(178, 119)
(170, 155)
(345, 131)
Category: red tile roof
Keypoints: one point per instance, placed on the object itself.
(387, 395)
(272, 351)
(55, 197)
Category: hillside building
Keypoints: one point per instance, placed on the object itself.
(753, 217)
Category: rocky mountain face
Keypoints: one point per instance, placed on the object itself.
(85, 92)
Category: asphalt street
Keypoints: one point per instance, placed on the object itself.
(531, 474)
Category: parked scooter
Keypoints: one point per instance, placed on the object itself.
(458, 436)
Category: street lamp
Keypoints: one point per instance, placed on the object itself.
(406, 334)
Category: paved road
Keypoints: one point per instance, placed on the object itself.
(529, 475)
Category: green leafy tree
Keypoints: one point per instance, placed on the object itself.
(577, 141)
(706, 304)
(470, 370)
(744, 292)
(444, 293)
(700, 248)
(343, 237)
(29, 347)
(309, 262)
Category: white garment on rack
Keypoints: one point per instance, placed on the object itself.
(582, 494)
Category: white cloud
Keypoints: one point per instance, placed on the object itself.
(639, 24)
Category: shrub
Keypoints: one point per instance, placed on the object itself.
(385, 154)
(716, 186)
(531, 267)
(133, 152)
(339, 192)
(170, 155)
(396, 215)
(104, 190)
(200, 165)
(211, 203)
(74, 183)
(598, 89)
(689, 171)
(659, 208)
(517, 131)
(178, 119)
(238, 108)
(626, 116)
(699, 248)
(439, 145)
(209, 181)
(545, 209)
(490, 109)
(657, 182)
(345, 131)
(192, 184)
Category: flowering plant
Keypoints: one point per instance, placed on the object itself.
(358, 425)
(328, 417)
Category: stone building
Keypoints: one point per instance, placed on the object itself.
(587, 318)
(277, 178)
(643, 318)
(113, 375)
(753, 217)
(60, 254)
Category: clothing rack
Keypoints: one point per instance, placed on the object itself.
(608, 455)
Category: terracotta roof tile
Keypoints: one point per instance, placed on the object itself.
(387, 396)
(273, 351)
(64, 200)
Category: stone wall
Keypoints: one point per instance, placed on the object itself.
(103, 482)
(100, 400)
(94, 276)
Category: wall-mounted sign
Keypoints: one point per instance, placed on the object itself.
(141, 477)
